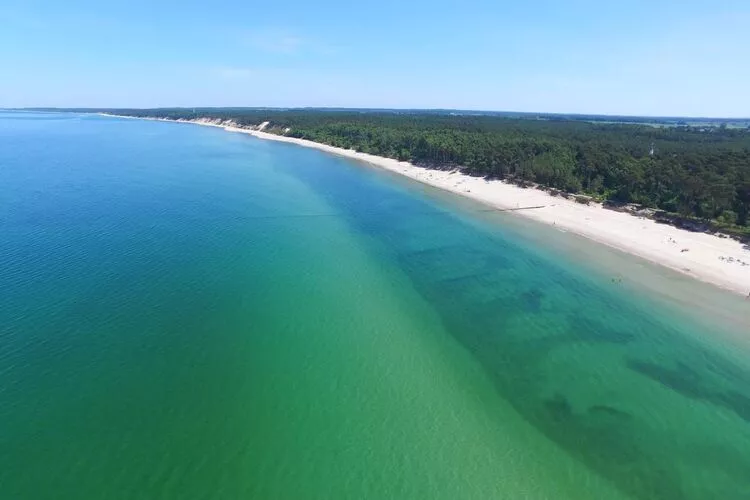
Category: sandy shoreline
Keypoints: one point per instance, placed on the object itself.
(723, 262)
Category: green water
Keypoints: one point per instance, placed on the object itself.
(188, 313)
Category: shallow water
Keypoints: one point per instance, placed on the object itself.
(188, 313)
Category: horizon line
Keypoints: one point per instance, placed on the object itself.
(396, 109)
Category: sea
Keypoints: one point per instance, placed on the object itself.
(189, 313)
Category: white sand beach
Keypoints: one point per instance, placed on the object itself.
(723, 262)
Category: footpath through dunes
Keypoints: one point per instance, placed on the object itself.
(619, 383)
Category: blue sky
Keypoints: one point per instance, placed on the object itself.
(636, 57)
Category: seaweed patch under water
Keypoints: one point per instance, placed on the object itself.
(686, 381)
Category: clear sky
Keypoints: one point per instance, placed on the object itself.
(635, 57)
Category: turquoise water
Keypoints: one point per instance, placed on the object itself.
(188, 313)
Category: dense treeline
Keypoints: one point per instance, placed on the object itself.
(701, 172)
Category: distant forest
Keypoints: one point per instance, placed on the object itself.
(690, 172)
